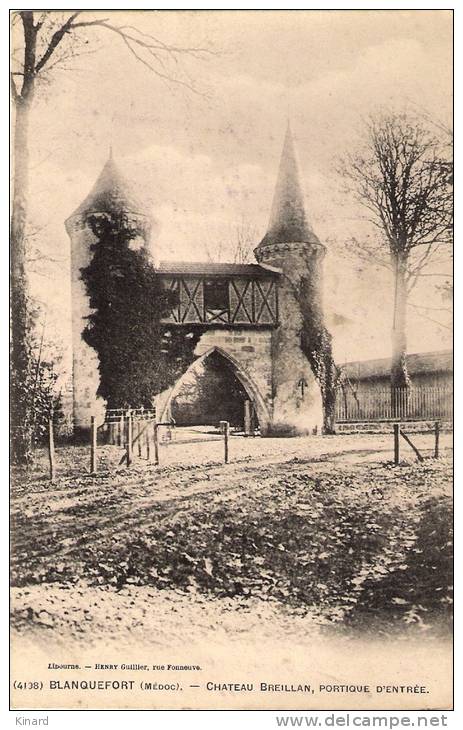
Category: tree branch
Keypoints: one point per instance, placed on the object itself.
(430, 319)
(165, 77)
(133, 39)
(55, 40)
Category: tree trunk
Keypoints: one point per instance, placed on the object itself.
(329, 420)
(18, 233)
(399, 374)
(329, 394)
(21, 407)
(400, 380)
(21, 435)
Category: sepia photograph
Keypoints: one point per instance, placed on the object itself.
(231, 359)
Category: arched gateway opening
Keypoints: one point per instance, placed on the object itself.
(215, 387)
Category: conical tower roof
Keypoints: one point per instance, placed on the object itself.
(110, 194)
(288, 222)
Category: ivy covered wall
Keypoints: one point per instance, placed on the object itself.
(138, 356)
(316, 344)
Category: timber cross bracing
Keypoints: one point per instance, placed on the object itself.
(223, 301)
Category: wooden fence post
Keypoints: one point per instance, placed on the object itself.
(139, 425)
(156, 444)
(51, 448)
(396, 443)
(147, 443)
(410, 443)
(247, 417)
(226, 437)
(226, 433)
(120, 440)
(436, 443)
(129, 439)
(93, 445)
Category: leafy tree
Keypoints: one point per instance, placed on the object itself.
(401, 174)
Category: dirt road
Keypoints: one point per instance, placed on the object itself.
(205, 528)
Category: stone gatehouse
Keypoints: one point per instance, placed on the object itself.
(249, 312)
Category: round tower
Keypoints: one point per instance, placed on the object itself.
(110, 197)
(291, 246)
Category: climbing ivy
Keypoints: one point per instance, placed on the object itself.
(138, 355)
(316, 344)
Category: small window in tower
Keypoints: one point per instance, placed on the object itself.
(216, 299)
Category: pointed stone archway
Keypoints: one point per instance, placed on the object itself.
(164, 399)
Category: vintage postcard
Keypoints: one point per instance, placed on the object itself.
(231, 359)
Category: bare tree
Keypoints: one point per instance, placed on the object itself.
(43, 41)
(401, 174)
(245, 235)
(236, 247)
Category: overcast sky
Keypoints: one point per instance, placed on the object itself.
(204, 163)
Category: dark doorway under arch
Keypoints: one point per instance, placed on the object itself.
(211, 392)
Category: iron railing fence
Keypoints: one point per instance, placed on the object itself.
(394, 404)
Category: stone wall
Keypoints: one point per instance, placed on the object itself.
(250, 348)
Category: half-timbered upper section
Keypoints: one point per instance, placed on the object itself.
(222, 294)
